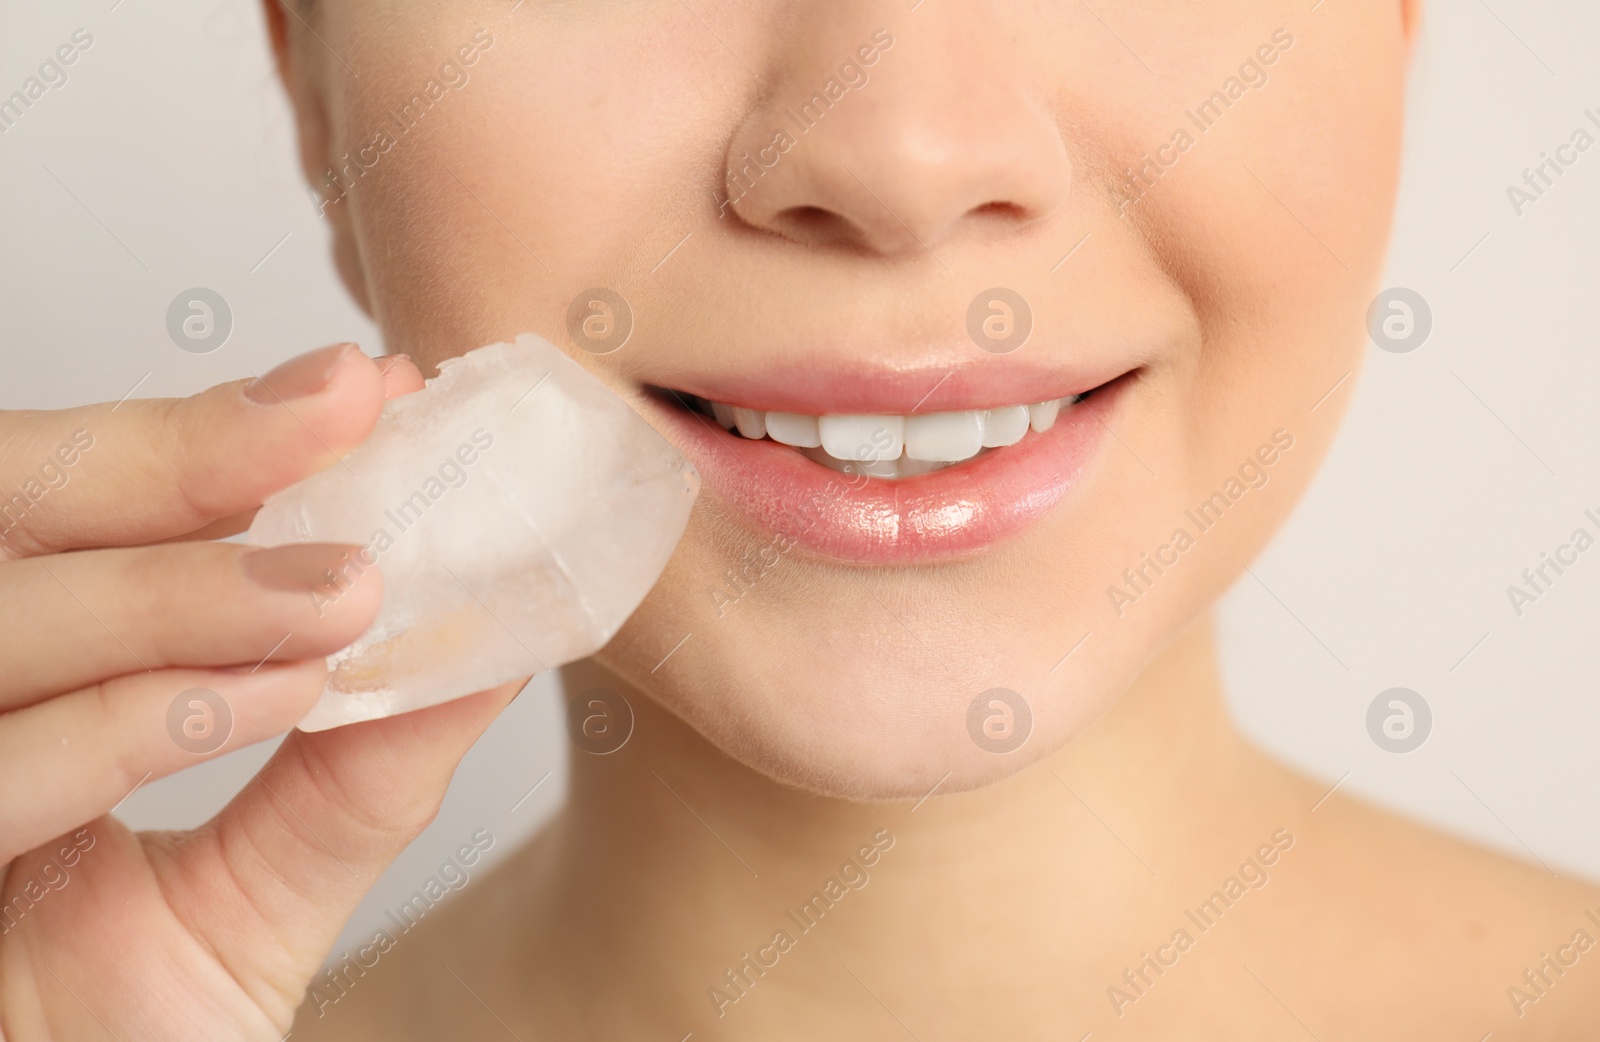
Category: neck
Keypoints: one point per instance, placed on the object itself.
(718, 898)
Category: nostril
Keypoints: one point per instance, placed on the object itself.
(813, 224)
(809, 215)
(1010, 212)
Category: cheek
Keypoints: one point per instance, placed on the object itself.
(560, 166)
(1275, 226)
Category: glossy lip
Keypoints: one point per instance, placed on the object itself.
(946, 514)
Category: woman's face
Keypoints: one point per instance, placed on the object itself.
(858, 209)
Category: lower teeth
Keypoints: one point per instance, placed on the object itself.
(903, 467)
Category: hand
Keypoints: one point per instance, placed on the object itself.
(133, 648)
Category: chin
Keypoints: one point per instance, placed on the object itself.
(882, 692)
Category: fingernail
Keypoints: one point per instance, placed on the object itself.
(388, 362)
(298, 377)
(303, 567)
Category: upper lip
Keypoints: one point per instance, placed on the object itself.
(855, 386)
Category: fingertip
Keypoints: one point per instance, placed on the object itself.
(235, 444)
(342, 587)
(332, 398)
(250, 703)
(302, 376)
(400, 375)
(344, 610)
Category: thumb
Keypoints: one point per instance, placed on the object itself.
(298, 848)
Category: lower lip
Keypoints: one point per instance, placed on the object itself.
(949, 513)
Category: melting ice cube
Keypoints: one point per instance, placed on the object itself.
(519, 512)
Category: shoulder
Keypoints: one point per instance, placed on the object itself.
(1426, 931)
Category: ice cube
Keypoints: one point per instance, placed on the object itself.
(519, 512)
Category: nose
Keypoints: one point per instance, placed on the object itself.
(896, 142)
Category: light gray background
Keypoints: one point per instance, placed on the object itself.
(167, 162)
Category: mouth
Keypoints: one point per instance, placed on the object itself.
(879, 486)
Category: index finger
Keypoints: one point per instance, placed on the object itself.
(400, 376)
(141, 471)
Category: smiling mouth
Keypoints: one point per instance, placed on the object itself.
(888, 446)
(882, 487)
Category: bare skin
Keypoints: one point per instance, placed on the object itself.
(1007, 912)
(555, 146)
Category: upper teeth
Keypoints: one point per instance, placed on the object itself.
(894, 446)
